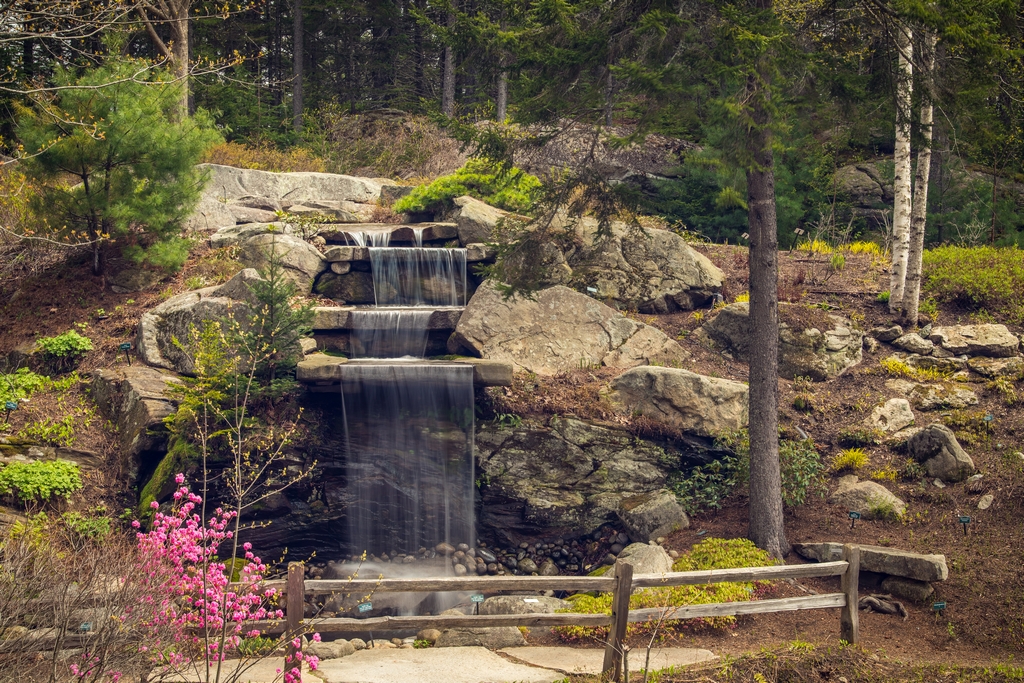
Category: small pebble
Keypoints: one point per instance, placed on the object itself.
(938, 484)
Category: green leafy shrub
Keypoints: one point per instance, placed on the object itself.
(711, 553)
(21, 383)
(65, 351)
(856, 438)
(978, 277)
(37, 482)
(707, 485)
(514, 190)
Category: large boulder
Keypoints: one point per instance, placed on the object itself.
(682, 399)
(994, 341)
(998, 367)
(646, 558)
(881, 560)
(172, 320)
(870, 499)
(300, 260)
(811, 343)
(136, 399)
(229, 183)
(559, 330)
(892, 416)
(210, 214)
(566, 478)
(650, 516)
(334, 649)
(937, 449)
(476, 220)
(653, 271)
(934, 395)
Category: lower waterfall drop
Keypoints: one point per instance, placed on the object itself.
(409, 442)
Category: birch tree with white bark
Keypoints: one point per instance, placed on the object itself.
(902, 181)
(919, 212)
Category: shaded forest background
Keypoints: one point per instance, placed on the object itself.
(369, 87)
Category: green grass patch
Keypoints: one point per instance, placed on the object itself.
(978, 278)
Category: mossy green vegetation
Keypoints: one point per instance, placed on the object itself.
(978, 278)
(511, 189)
(711, 553)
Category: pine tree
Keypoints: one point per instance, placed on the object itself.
(271, 336)
(132, 159)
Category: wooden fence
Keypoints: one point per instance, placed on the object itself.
(621, 586)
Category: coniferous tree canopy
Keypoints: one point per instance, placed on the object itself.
(117, 168)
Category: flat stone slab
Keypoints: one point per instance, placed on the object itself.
(571, 660)
(243, 671)
(430, 665)
(875, 558)
(319, 368)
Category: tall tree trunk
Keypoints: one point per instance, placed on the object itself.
(609, 99)
(448, 75)
(179, 59)
(901, 184)
(919, 214)
(766, 523)
(297, 64)
(501, 102)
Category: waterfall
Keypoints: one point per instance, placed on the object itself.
(389, 332)
(409, 444)
(368, 238)
(416, 276)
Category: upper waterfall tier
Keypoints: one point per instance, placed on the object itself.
(413, 276)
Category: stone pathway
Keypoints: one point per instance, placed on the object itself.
(569, 660)
(431, 665)
(459, 665)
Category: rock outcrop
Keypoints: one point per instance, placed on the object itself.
(933, 395)
(937, 449)
(522, 604)
(892, 416)
(172, 320)
(566, 478)
(476, 220)
(994, 341)
(804, 351)
(681, 399)
(136, 399)
(653, 271)
(559, 330)
(299, 260)
(243, 196)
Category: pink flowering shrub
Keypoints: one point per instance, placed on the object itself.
(191, 596)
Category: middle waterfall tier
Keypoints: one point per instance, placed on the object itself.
(389, 332)
(418, 276)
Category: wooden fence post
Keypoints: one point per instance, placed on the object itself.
(295, 593)
(849, 619)
(612, 667)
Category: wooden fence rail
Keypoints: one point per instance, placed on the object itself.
(621, 586)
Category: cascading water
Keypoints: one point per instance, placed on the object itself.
(408, 422)
(409, 433)
(417, 276)
(389, 333)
